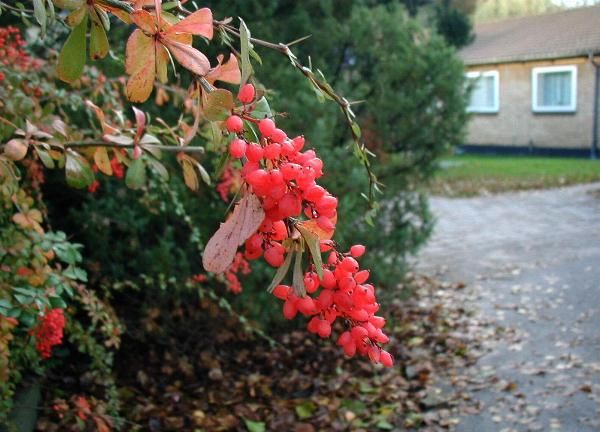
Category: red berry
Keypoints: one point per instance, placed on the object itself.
(246, 94)
(282, 291)
(311, 282)
(289, 309)
(275, 255)
(272, 151)
(234, 124)
(386, 359)
(237, 148)
(361, 276)
(278, 136)
(374, 354)
(324, 328)
(254, 152)
(344, 338)
(266, 127)
(329, 281)
(298, 143)
(357, 251)
(306, 305)
(349, 264)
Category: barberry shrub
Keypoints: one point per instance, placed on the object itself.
(279, 212)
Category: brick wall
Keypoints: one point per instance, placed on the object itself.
(516, 124)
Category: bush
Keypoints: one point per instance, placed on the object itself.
(143, 233)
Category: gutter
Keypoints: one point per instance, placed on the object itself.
(594, 149)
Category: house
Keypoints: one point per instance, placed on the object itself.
(535, 84)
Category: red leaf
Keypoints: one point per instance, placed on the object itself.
(200, 23)
(189, 57)
(244, 221)
(140, 121)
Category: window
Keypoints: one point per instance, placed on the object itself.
(484, 92)
(554, 89)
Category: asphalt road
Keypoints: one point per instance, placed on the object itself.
(531, 262)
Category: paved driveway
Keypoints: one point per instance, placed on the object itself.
(532, 264)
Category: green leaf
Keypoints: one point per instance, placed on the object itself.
(315, 248)
(78, 171)
(75, 273)
(245, 47)
(305, 410)
(281, 272)
(136, 174)
(159, 168)
(219, 104)
(253, 426)
(57, 302)
(261, 109)
(98, 40)
(72, 56)
(39, 11)
(22, 299)
(45, 158)
(384, 424)
(356, 129)
(298, 276)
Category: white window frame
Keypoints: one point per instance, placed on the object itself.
(484, 74)
(536, 72)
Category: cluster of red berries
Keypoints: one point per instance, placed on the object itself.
(344, 293)
(284, 178)
(49, 332)
(11, 52)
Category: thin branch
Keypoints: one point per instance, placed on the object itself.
(15, 9)
(166, 148)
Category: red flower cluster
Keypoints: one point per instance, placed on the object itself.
(49, 332)
(11, 52)
(284, 178)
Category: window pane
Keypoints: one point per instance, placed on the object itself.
(482, 95)
(554, 89)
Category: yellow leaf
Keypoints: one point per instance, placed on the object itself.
(102, 161)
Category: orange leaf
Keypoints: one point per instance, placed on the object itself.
(200, 23)
(313, 226)
(141, 65)
(227, 72)
(162, 62)
(106, 128)
(244, 221)
(188, 56)
(145, 21)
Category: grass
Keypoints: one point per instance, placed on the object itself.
(469, 175)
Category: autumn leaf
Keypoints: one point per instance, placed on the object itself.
(227, 72)
(149, 46)
(313, 227)
(102, 161)
(243, 222)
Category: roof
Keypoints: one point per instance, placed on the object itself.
(569, 33)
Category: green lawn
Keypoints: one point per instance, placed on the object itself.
(469, 175)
